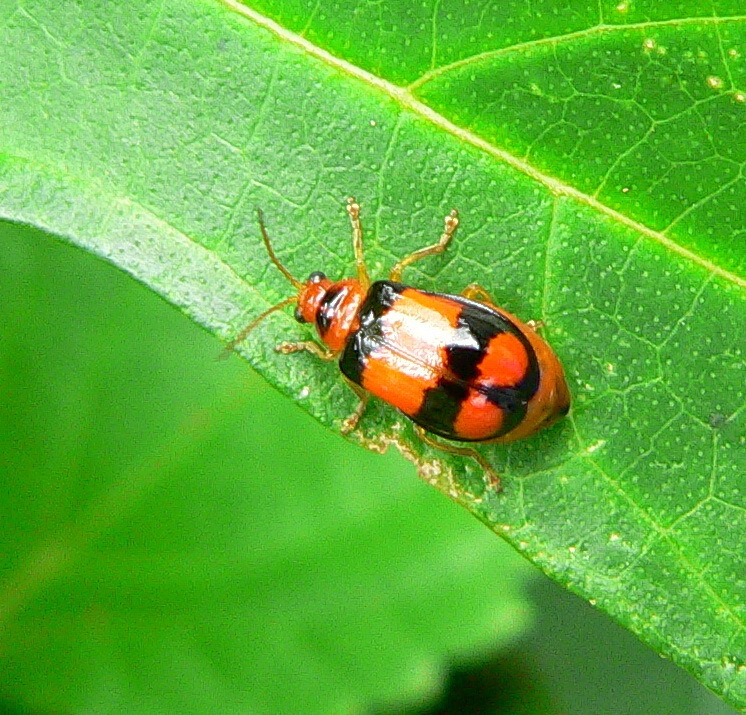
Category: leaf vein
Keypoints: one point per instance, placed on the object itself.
(553, 41)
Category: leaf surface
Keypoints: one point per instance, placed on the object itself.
(149, 135)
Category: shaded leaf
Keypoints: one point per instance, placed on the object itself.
(168, 545)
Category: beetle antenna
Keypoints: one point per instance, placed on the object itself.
(285, 272)
(231, 346)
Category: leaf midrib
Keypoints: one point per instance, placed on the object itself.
(404, 97)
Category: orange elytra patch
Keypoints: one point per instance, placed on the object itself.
(426, 306)
(478, 418)
(418, 329)
(403, 389)
(505, 361)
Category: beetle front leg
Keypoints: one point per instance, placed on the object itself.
(351, 422)
(451, 224)
(353, 210)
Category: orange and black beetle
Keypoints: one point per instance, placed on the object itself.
(458, 367)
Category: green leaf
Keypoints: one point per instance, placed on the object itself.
(595, 155)
(168, 545)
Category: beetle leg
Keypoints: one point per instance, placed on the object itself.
(353, 210)
(451, 223)
(308, 346)
(474, 291)
(352, 421)
(491, 476)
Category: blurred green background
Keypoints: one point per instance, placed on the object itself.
(177, 536)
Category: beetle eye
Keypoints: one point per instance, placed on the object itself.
(316, 277)
(299, 314)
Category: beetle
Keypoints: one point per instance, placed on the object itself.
(458, 366)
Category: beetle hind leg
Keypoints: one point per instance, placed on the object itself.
(308, 346)
(451, 223)
(474, 291)
(490, 475)
(351, 422)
